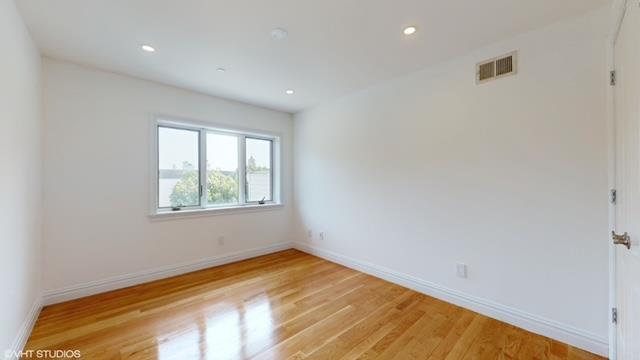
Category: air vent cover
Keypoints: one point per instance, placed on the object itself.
(496, 68)
(486, 71)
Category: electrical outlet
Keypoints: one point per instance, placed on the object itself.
(321, 235)
(310, 234)
(221, 240)
(461, 270)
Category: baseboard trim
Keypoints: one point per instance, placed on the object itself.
(118, 282)
(536, 324)
(25, 331)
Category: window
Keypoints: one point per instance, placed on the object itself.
(223, 185)
(258, 169)
(178, 160)
(202, 168)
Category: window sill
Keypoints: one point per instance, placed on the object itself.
(238, 209)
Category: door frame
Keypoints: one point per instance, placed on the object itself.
(619, 8)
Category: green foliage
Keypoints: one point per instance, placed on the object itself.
(185, 193)
(253, 167)
(222, 188)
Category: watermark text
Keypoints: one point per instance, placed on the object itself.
(40, 354)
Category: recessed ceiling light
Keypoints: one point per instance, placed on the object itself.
(279, 33)
(289, 91)
(221, 70)
(410, 30)
(148, 48)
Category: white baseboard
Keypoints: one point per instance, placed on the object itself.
(24, 332)
(117, 282)
(536, 324)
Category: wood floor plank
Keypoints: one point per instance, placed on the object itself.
(487, 344)
(364, 334)
(287, 305)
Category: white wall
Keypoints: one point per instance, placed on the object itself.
(20, 175)
(97, 178)
(509, 177)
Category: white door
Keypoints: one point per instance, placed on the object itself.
(627, 127)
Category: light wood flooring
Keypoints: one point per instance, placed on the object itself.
(287, 305)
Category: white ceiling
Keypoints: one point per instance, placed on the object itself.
(334, 46)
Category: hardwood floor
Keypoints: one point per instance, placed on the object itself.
(288, 305)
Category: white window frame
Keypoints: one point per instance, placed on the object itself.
(203, 129)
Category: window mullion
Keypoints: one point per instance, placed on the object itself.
(203, 168)
(242, 170)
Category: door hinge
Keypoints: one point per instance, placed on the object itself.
(614, 315)
(612, 78)
(613, 196)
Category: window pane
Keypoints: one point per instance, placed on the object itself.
(222, 169)
(258, 169)
(178, 176)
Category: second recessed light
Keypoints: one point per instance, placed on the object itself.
(148, 48)
(289, 92)
(410, 30)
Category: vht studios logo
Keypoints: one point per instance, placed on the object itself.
(40, 354)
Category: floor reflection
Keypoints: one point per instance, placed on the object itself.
(259, 328)
(180, 345)
(234, 332)
(222, 335)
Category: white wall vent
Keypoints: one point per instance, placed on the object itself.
(496, 68)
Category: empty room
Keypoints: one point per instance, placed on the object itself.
(296, 179)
